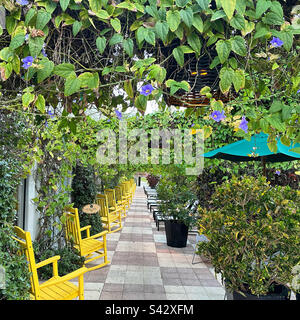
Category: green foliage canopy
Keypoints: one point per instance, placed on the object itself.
(83, 50)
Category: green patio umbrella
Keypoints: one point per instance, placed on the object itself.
(254, 150)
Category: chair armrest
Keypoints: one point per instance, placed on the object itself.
(47, 261)
(87, 228)
(98, 235)
(52, 260)
(75, 274)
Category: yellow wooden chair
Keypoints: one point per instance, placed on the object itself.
(112, 203)
(90, 247)
(125, 194)
(128, 188)
(120, 201)
(56, 288)
(133, 186)
(110, 219)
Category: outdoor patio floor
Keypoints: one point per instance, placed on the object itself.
(143, 267)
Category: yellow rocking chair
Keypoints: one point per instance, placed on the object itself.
(90, 247)
(120, 201)
(56, 288)
(125, 194)
(113, 205)
(110, 219)
(128, 188)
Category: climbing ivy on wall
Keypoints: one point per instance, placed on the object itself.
(16, 271)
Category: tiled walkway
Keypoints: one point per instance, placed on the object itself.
(143, 267)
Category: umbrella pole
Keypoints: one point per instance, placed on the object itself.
(263, 161)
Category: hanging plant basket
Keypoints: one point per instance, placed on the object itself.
(197, 72)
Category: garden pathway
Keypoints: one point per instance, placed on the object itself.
(143, 267)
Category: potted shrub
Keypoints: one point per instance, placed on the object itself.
(152, 180)
(253, 232)
(176, 199)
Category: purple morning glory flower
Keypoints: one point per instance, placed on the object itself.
(244, 125)
(118, 114)
(218, 115)
(147, 89)
(51, 114)
(276, 42)
(298, 91)
(43, 50)
(22, 2)
(277, 172)
(26, 37)
(27, 62)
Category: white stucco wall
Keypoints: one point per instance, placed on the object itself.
(27, 215)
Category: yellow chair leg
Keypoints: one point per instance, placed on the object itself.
(81, 288)
(101, 255)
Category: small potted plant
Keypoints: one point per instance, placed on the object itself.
(175, 206)
(253, 231)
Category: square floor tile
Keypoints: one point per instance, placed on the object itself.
(168, 275)
(174, 289)
(133, 296)
(155, 296)
(166, 263)
(129, 287)
(197, 296)
(105, 295)
(112, 236)
(209, 283)
(91, 295)
(159, 238)
(168, 270)
(214, 291)
(137, 230)
(152, 281)
(190, 282)
(188, 276)
(93, 286)
(154, 288)
(113, 287)
(176, 296)
(172, 282)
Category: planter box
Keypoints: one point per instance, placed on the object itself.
(176, 233)
(281, 293)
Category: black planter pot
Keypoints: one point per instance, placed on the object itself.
(176, 233)
(297, 296)
(280, 293)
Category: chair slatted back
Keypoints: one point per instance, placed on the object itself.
(101, 200)
(127, 186)
(124, 189)
(24, 239)
(133, 185)
(118, 193)
(72, 224)
(111, 197)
